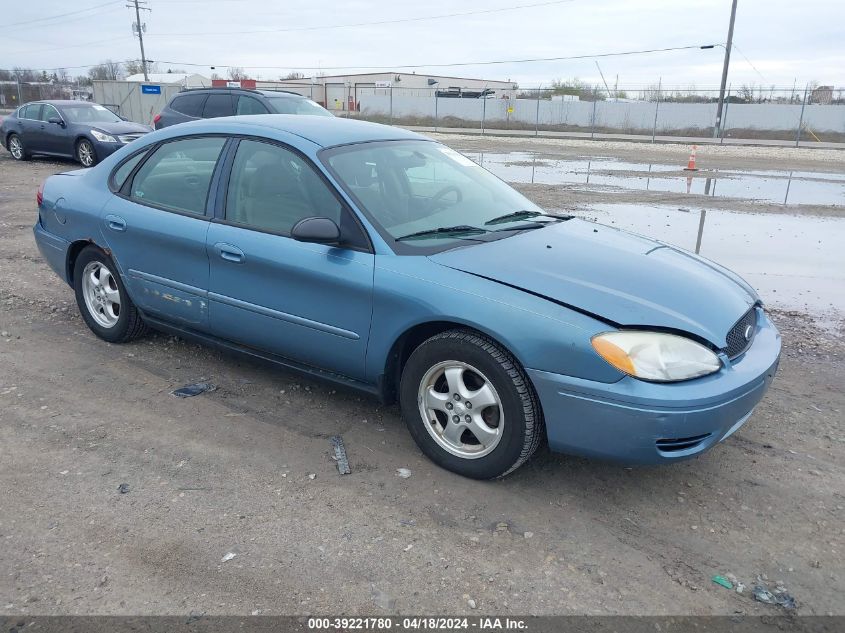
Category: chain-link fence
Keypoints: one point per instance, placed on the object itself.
(15, 93)
(794, 115)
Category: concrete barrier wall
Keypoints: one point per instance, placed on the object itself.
(627, 116)
(126, 98)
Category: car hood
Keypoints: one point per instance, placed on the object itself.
(626, 279)
(121, 127)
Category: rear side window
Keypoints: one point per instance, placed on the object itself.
(218, 105)
(189, 104)
(178, 174)
(31, 111)
(122, 173)
(249, 105)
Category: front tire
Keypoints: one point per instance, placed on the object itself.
(16, 148)
(85, 153)
(103, 301)
(470, 406)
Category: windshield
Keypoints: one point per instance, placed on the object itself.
(416, 190)
(89, 113)
(297, 105)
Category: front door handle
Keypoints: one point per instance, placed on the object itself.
(115, 222)
(229, 253)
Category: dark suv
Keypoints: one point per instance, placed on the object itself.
(207, 103)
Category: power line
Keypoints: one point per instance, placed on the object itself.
(62, 15)
(750, 63)
(377, 23)
(397, 66)
(449, 65)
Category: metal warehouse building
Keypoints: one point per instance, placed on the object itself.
(343, 92)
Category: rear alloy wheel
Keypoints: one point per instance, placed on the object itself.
(85, 153)
(102, 299)
(17, 149)
(469, 405)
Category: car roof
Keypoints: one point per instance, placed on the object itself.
(259, 91)
(321, 130)
(65, 102)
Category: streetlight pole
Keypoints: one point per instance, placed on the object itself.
(718, 127)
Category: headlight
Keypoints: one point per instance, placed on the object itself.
(656, 356)
(103, 138)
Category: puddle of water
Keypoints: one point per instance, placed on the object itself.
(779, 187)
(793, 262)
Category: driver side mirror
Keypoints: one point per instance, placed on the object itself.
(56, 120)
(316, 230)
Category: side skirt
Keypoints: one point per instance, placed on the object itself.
(274, 359)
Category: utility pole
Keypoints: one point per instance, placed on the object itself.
(718, 127)
(139, 28)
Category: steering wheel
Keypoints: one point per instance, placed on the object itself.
(436, 200)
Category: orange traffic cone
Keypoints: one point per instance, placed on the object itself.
(691, 163)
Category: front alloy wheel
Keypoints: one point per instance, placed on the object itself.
(462, 408)
(85, 153)
(469, 405)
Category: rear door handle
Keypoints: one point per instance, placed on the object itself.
(115, 222)
(229, 253)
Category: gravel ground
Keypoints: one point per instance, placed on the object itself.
(234, 505)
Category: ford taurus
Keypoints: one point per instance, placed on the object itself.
(376, 258)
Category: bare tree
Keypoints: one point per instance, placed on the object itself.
(107, 70)
(237, 73)
(292, 76)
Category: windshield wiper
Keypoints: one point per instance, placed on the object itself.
(444, 230)
(518, 215)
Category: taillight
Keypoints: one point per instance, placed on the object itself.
(156, 119)
(39, 197)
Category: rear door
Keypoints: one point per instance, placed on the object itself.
(54, 138)
(311, 303)
(186, 106)
(30, 127)
(156, 227)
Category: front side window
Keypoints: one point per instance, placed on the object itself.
(272, 188)
(49, 112)
(178, 174)
(90, 113)
(410, 187)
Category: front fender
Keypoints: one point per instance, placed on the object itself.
(542, 335)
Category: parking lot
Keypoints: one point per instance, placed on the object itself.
(246, 470)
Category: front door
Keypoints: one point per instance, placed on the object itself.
(310, 303)
(156, 228)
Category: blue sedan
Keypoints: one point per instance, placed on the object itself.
(379, 259)
(87, 132)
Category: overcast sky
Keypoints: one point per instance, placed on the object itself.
(784, 40)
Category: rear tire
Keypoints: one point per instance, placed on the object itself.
(86, 155)
(17, 149)
(103, 302)
(470, 406)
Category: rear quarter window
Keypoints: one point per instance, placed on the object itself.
(189, 104)
(122, 173)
